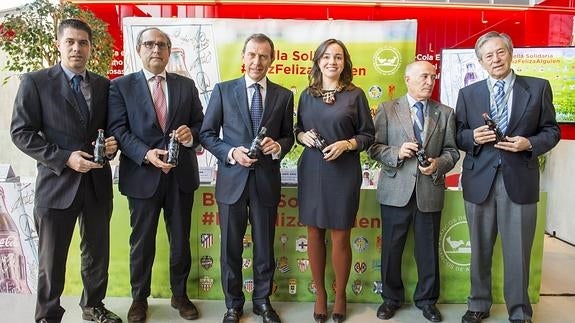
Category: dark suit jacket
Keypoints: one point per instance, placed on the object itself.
(48, 126)
(229, 110)
(532, 116)
(132, 120)
(397, 180)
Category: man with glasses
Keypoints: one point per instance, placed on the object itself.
(500, 178)
(145, 109)
(56, 117)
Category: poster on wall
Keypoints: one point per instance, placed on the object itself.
(209, 51)
(460, 67)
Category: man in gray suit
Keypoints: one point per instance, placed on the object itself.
(411, 191)
(500, 179)
(248, 188)
(56, 117)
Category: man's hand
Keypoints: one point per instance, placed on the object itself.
(483, 135)
(270, 146)
(429, 169)
(111, 146)
(154, 157)
(407, 150)
(80, 162)
(183, 134)
(514, 144)
(240, 156)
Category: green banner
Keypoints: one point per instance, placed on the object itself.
(292, 280)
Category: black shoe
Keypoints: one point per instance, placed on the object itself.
(100, 314)
(474, 317)
(520, 321)
(186, 308)
(43, 321)
(386, 310)
(319, 318)
(338, 317)
(137, 311)
(431, 312)
(267, 313)
(233, 315)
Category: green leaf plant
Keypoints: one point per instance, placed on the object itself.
(28, 37)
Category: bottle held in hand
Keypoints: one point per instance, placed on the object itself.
(173, 150)
(319, 141)
(100, 148)
(499, 136)
(422, 156)
(255, 147)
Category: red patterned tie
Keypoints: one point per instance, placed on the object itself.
(160, 102)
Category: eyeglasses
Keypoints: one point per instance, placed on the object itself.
(152, 44)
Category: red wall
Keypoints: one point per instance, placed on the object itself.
(549, 24)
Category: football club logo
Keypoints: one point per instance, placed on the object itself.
(386, 60)
(311, 287)
(206, 262)
(292, 286)
(246, 263)
(356, 287)
(206, 240)
(301, 244)
(249, 285)
(247, 241)
(375, 91)
(274, 287)
(377, 287)
(302, 265)
(360, 244)
(206, 283)
(360, 267)
(378, 242)
(283, 264)
(454, 245)
(283, 240)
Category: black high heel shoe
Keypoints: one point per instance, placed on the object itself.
(338, 318)
(319, 318)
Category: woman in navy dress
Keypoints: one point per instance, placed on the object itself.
(334, 124)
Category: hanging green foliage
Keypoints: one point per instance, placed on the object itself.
(28, 37)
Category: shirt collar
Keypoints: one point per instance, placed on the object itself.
(249, 82)
(411, 101)
(507, 80)
(70, 74)
(149, 74)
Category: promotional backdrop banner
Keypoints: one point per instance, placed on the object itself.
(209, 51)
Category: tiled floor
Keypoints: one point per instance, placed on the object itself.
(556, 306)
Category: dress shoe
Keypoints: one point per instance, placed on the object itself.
(267, 313)
(431, 313)
(233, 315)
(386, 310)
(100, 314)
(43, 321)
(474, 317)
(186, 308)
(520, 321)
(137, 311)
(338, 317)
(319, 318)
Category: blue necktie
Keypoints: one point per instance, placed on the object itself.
(419, 115)
(76, 81)
(257, 108)
(501, 106)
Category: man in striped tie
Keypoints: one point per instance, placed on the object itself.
(500, 179)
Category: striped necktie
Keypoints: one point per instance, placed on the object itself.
(417, 130)
(159, 99)
(500, 106)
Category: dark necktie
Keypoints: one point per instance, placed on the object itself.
(418, 122)
(500, 115)
(160, 105)
(257, 108)
(76, 81)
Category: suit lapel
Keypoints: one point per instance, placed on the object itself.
(520, 98)
(270, 103)
(431, 118)
(174, 93)
(241, 97)
(403, 112)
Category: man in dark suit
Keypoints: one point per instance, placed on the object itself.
(500, 179)
(57, 125)
(249, 188)
(146, 108)
(410, 192)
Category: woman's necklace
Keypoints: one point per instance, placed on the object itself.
(329, 95)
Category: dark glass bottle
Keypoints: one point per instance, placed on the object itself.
(499, 136)
(255, 146)
(319, 141)
(100, 148)
(173, 150)
(422, 156)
